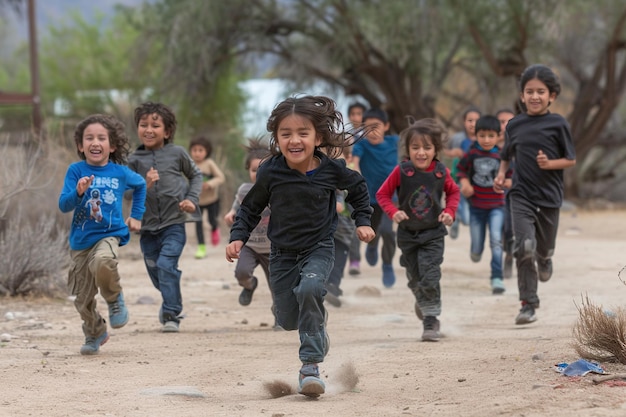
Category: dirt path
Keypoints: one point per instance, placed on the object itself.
(225, 354)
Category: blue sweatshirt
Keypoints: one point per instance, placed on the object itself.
(98, 213)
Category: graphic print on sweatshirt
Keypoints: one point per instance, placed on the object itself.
(98, 202)
(485, 170)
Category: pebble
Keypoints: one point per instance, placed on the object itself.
(9, 316)
(5, 337)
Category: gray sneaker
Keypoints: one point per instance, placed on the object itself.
(170, 327)
(544, 269)
(431, 329)
(526, 315)
(92, 344)
(309, 382)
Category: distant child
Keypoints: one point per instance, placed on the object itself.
(201, 149)
(375, 158)
(476, 172)
(421, 182)
(257, 249)
(355, 116)
(174, 183)
(299, 183)
(541, 144)
(458, 145)
(97, 184)
(504, 115)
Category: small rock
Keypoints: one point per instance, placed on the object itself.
(537, 356)
(462, 379)
(5, 337)
(9, 316)
(145, 299)
(226, 286)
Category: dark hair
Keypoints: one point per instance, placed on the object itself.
(117, 136)
(204, 142)
(505, 110)
(376, 113)
(471, 109)
(421, 129)
(488, 122)
(169, 119)
(543, 74)
(322, 112)
(356, 105)
(255, 149)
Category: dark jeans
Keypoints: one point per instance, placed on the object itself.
(507, 229)
(161, 251)
(422, 256)
(383, 226)
(213, 211)
(297, 280)
(341, 258)
(535, 231)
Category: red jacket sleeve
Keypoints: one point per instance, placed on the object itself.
(385, 193)
(453, 195)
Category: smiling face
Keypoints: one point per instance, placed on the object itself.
(421, 151)
(297, 140)
(151, 131)
(470, 123)
(96, 145)
(537, 97)
(487, 139)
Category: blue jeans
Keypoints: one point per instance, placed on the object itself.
(161, 251)
(479, 220)
(297, 280)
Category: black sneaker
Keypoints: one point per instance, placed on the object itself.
(544, 269)
(526, 315)
(245, 298)
(431, 329)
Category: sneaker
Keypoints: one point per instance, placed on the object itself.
(170, 327)
(497, 286)
(92, 344)
(418, 311)
(332, 295)
(475, 257)
(389, 277)
(309, 382)
(118, 313)
(201, 252)
(245, 298)
(508, 266)
(354, 268)
(431, 329)
(454, 230)
(544, 269)
(215, 237)
(371, 254)
(526, 315)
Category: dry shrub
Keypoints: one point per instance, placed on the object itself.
(600, 335)
(33, 232)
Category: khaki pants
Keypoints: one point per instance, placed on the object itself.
(92, 269)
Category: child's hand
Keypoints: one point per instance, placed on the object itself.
(152, 176)
(498, 184)
(83, 185)
(542, 160)
(400, 216)
(134, 225)
(233, 249)
(467, 190)
(187, 206)
(365, 233)
(446, 219)
(229, 217)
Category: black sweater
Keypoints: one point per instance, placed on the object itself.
(303, 206)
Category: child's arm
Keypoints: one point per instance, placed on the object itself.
(385, 193)
(553, 164)
(499, 181)
(218, 176)
(190, 170)
(233, 249)
(452, 200)
(466, 187)
(138, 185)
(74, 188)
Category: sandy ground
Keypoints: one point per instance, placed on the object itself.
(222, 361)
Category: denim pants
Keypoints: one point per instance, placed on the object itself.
(534, 230)
(297, 281)
(161, 251)
(480, 219)
(422, 256)
(91, 270)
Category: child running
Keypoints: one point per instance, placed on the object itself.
(299, 182)
(174, 183)
(421, 182)
(94, 190)
(257, 249)
(541, 144)
(476, 171)
(201, 149)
